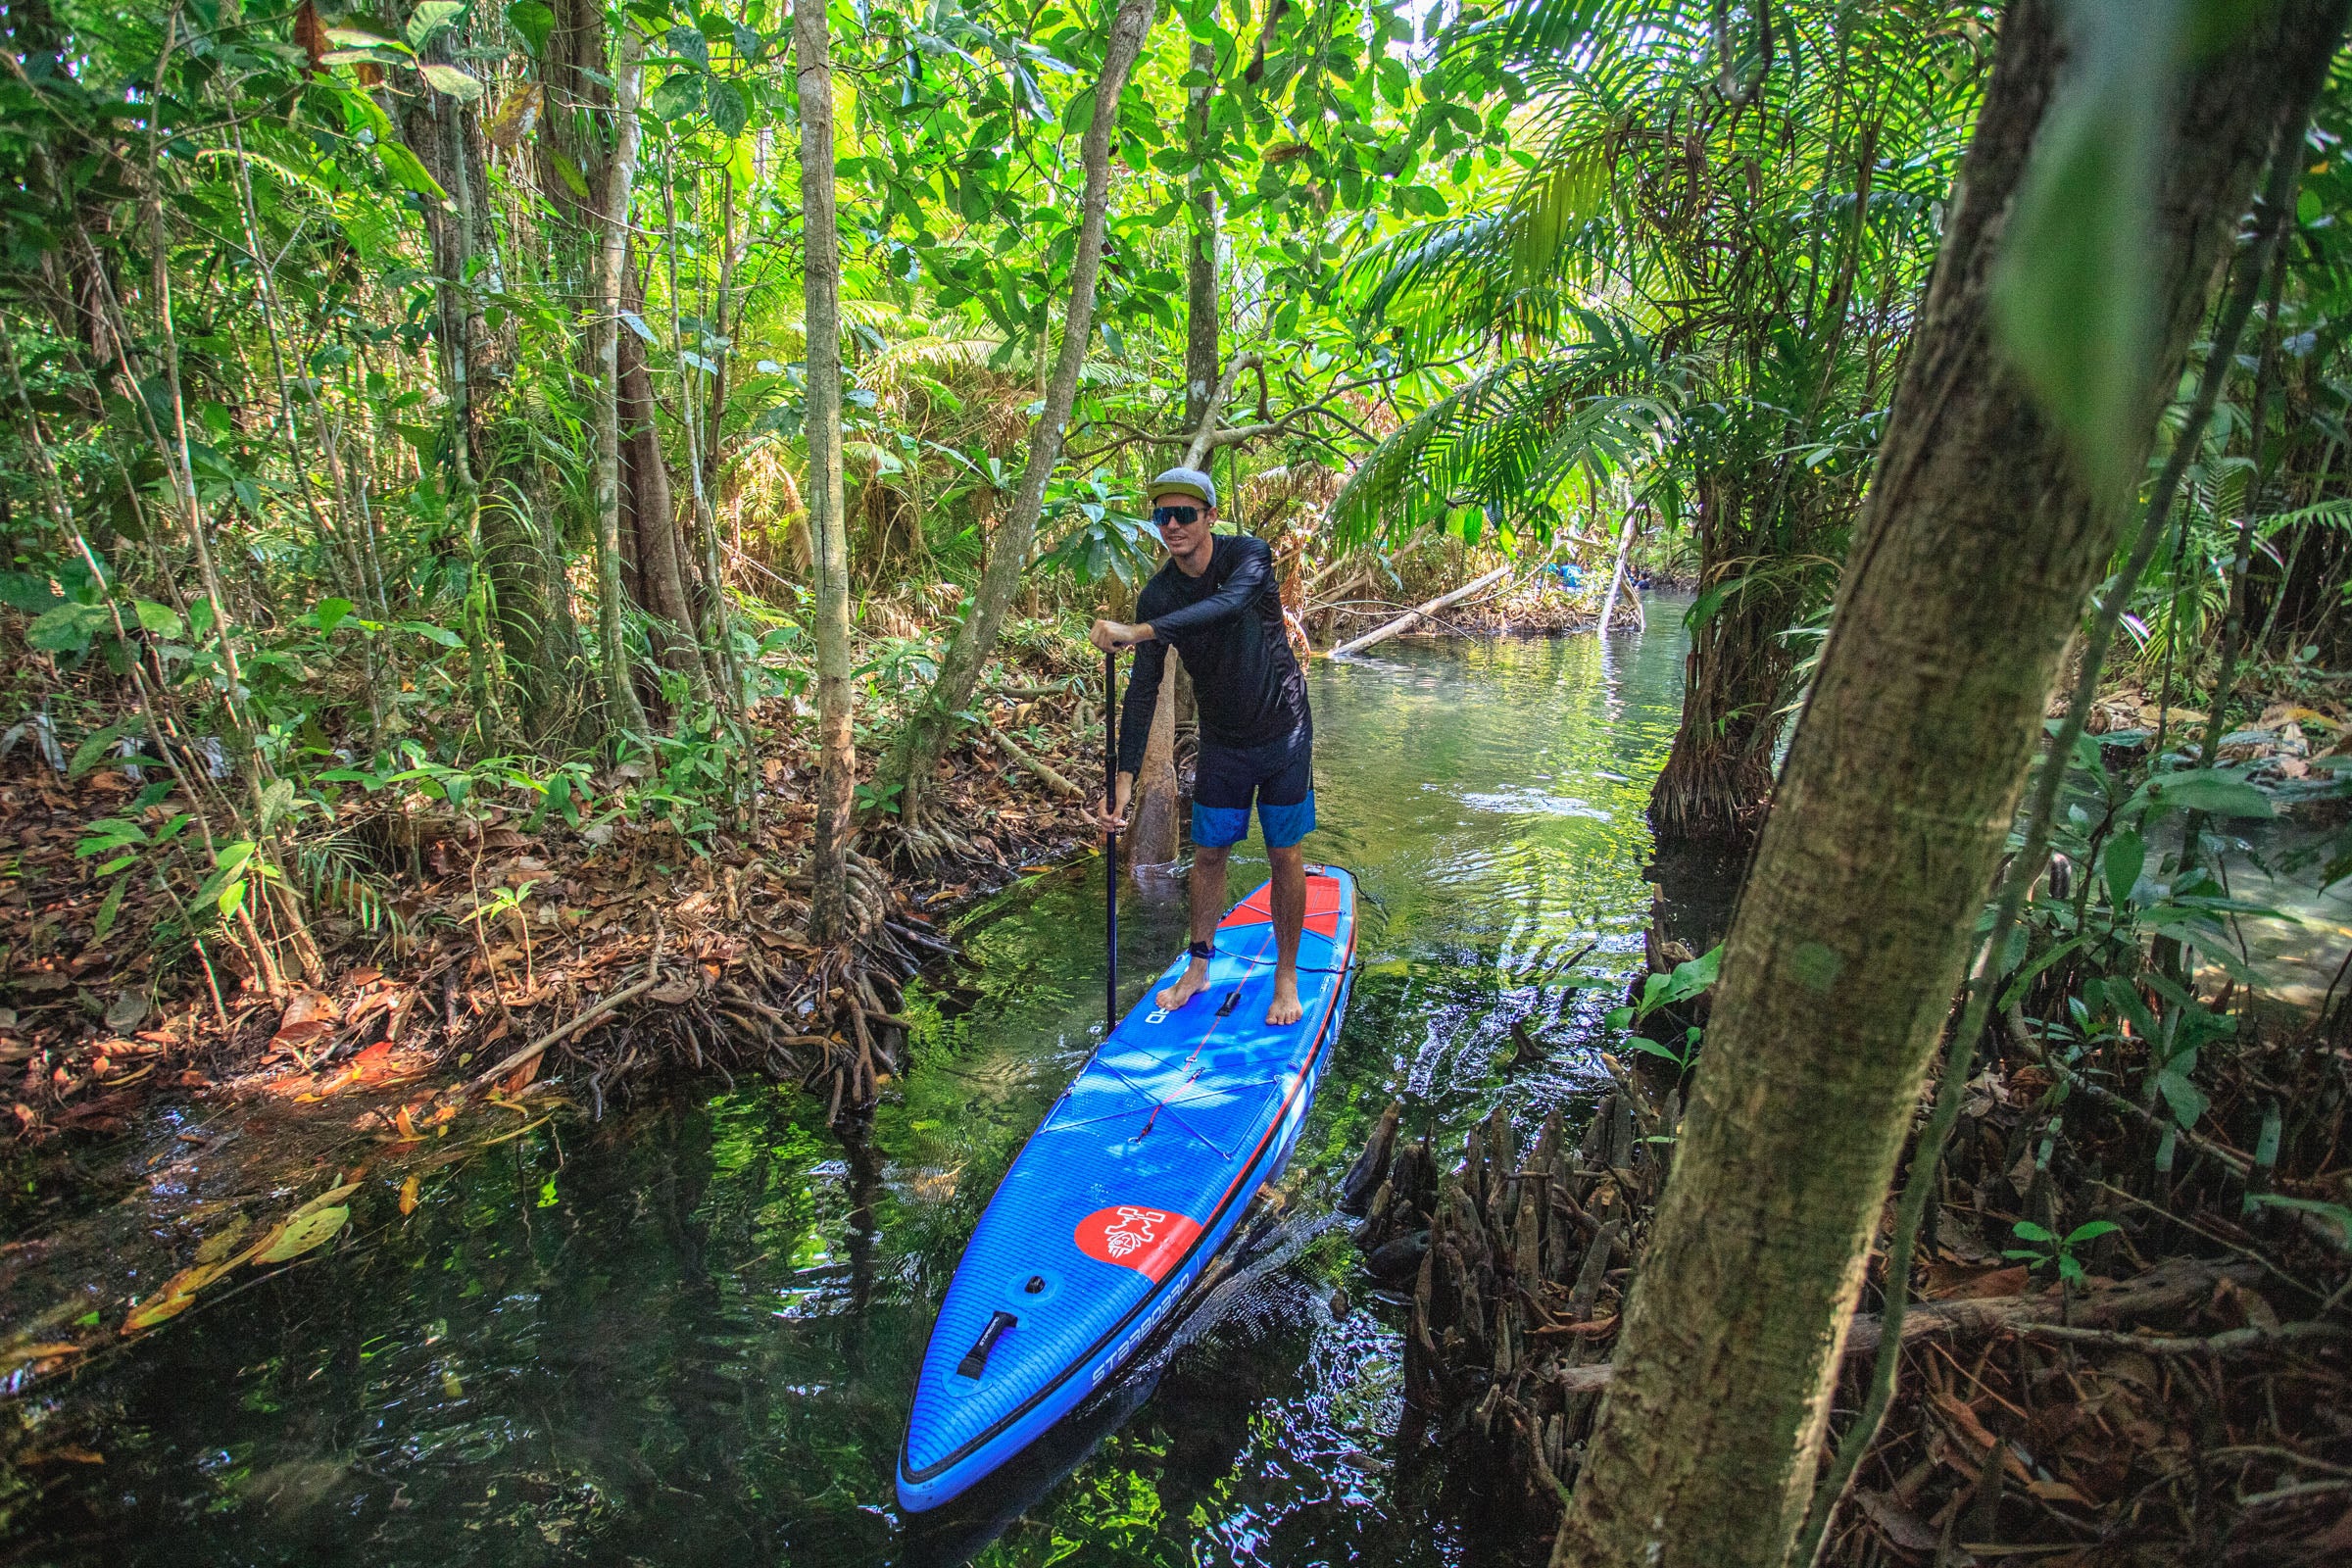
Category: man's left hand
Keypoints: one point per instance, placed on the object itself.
(1116, 636)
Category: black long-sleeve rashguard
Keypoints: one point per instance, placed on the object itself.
(1227, 623)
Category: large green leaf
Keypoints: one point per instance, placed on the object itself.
(2073, 300)
(430, 18)
(680, 94)
(730, 111)
(459, 85)
(533, 22)
(2208, 789)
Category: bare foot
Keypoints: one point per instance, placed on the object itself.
(1194, 981)
(1286, 1007)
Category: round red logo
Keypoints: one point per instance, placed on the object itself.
(1136, 1236)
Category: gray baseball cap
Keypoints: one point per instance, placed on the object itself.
(1186, 482)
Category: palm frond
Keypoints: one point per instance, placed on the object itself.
(1507, 440)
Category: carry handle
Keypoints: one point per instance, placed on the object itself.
(975, 1359)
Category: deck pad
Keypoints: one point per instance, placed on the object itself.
(1129, 1187)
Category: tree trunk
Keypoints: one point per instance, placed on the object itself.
(1151, 839)
(661, 569)
(1718, 777)
(1968, 573)
(625, 712)
(837, 767)
(926, 733)
(1201, 254)
(1608, 601)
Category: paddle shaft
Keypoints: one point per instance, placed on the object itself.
(1110, 858)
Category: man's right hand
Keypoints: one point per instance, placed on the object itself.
(1108, 817)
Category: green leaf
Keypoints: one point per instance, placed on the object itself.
(308, 1230)
(432, 633)
(459, 84)
(2074, 305)
(2187, 1101)
(107, 910)
(2126, 854)
(689, 44)
(227, 869)
(679, 95)
(430, 18)
(407, 172)
(329, 614)
(533, 22)
(730, 112)
(68, 628)
(2096, 1228)
(636, 323)
(2209, 789)
(2026, 1230)
(27, 591)
(91, 751)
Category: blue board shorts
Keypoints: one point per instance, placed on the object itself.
(1278, 776)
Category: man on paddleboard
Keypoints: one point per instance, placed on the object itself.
(1215, 602)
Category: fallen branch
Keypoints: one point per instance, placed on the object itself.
(1037, 766)
(2229, 1344)
(2174, 1286)
(595, 1014)
(1405, 622)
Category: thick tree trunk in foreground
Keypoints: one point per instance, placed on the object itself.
(623, 711)
(1967, 576)
(926, 731)
(837, 752)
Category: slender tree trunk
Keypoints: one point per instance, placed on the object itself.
(1201, 253)
(625, 712)
(1608, 601)
(926, 732)
(837, 768)
(1967, 576)
(1152, 840)
(2258, 477)
(664, 570)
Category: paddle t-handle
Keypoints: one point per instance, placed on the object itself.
(1110, 858)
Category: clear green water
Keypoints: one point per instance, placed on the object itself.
(686, 1335)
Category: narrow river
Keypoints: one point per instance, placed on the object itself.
(687, 1335)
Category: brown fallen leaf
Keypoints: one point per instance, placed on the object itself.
(408, 1191)
(1961, 1282)
(176, 1296)
(309, 1017)
(17, 1356)
(1901, 1526)
(63, 1454)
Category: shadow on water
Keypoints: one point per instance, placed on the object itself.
(686, 1335)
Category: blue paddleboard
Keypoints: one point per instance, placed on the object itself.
(1132, 1184)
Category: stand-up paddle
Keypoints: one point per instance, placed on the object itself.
(1110, 853)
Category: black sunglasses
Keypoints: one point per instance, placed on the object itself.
(1183, 517)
